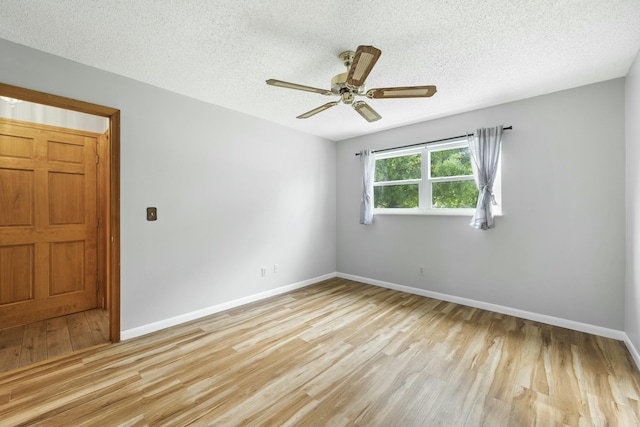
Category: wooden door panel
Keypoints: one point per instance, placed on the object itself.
(66, 152)
(16, 273)
(16, 197)
(16, 146)
(67, 263)
(48, 225)
(66, 198)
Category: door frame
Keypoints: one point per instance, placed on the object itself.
(112, 196)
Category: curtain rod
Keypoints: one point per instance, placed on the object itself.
(428, 142)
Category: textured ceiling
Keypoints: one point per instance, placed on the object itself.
(477, 52)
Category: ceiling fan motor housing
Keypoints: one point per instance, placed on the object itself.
(339, 86)
(339, 83)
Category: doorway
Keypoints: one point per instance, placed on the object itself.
(107, 243)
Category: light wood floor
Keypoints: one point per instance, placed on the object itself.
(25, 345)
(336, 353)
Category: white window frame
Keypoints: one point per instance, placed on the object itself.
(425, 182)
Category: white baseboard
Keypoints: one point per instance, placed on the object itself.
(632, 349)
(543, 318)
(187, 317)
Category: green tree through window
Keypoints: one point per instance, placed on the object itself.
(403, 168)
(432, 178)
(452, 194)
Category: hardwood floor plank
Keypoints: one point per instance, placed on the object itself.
(489, 412)
(34, 343)
(80, 333)
(56, 402)
(10, 347)
(58, 337)
(337, 353)
(536, 409)
(99, 324)
(400, 411)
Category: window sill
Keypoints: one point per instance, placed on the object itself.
(434, 212)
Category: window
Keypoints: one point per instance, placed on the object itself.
(433, 179)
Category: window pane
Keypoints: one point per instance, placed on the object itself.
(398, 168)
(454, 194)
(396, 196)
(454, 162)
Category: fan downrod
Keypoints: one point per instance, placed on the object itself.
(347, 58)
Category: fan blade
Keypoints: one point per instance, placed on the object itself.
(318, 110)
(402, 92)
(288, 85)
(363, 61)
(366, 111)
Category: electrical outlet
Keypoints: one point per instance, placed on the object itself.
(421, 270)
(276, 268)
(263, 271)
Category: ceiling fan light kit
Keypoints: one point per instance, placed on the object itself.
(350, 84)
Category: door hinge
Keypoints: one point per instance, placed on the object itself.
(97, 158)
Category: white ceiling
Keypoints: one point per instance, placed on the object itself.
(477, 52)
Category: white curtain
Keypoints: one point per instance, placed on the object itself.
(484, 147)
(368, 164)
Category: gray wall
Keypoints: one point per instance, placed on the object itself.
(559, 248)
(234, 193)
(632, 295)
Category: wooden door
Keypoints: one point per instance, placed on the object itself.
(48, 226)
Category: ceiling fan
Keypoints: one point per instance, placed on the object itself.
(351, 84)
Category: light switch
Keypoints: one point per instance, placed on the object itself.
(152, 214)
